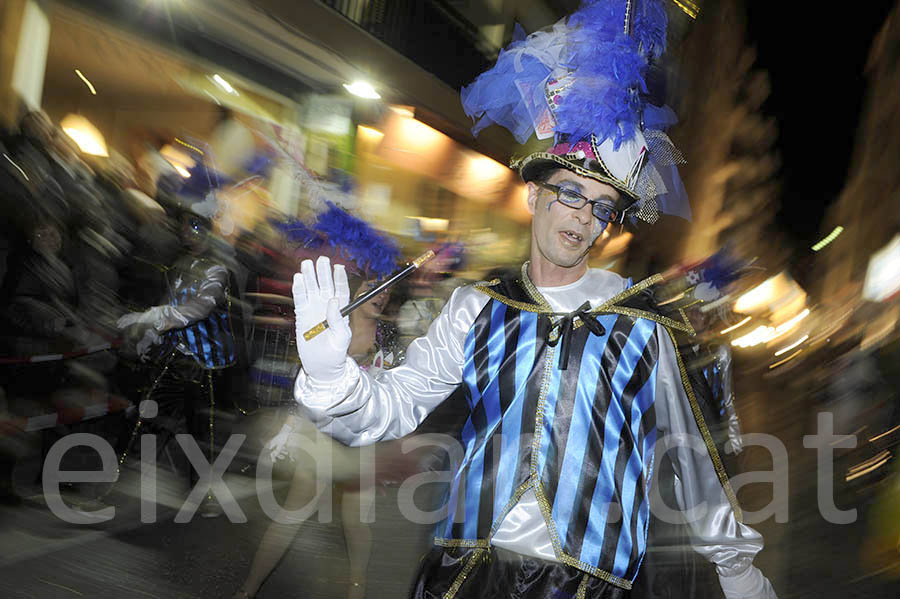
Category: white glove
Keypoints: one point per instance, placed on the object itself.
(278, 446)
(151, 317)
(324, 357)
(149, 339)
(750, 584)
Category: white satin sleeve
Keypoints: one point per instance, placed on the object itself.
(360, 409)
(197, 307)
(716, 533)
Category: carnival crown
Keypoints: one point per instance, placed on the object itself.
(578, 91)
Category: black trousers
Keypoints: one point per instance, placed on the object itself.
(184, 391)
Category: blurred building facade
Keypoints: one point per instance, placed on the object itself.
(140, 71)
(731, 170)
(867, 207)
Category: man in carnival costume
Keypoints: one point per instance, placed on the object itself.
(190, 337)
(571, 375)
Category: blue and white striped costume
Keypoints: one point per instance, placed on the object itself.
(557, 462)
(196, 320)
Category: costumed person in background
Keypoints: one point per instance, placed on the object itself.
(571, 374)
(701, 289)
(373, 343)
(429, 289)
(189, 338)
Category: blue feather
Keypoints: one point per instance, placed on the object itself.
(300, 233)
(356, 240)
(609, 67)
(352, 238)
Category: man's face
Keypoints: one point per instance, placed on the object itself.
(194, 232)
(563, 235)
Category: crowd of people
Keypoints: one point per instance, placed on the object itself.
(118, 287)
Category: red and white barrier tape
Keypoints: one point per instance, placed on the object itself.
(84, 351)
(66, 414)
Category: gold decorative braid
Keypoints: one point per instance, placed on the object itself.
(531, 290)
(582, 588)
(633, 290)
(140, 420)
(575, 168)
(212, 412)
(517, 494)
(707, 437)
(546, 510)
(477, 556)
(635, 313)
(564, 557)
(539, 412)
(523, 306)
(465, 543)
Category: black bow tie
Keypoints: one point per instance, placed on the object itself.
(564, 327)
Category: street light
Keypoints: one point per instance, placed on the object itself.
(363, 89)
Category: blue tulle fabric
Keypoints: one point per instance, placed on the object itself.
(600, 71)
(722, 268)
(350, 237)
(607, 65)
(511, 94)
(674, 201)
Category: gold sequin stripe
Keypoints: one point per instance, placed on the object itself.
(212, 411)
(477, 557)
(523, 162)
(635, 313)
(564, 557)
(517, 494)
(582, 588)
(546, 511)
(140, 421)
(707, 438)
(523, 306)
(531, 290)
(633, 290)
(539, 412)
(464, 543)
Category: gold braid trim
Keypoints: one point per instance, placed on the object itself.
(517, 494)
(707, 438)
(531, 290)
(521, 163)
(539, 412)
(466, 543)
(565, 558)
(609, 307)
(633, 290)
(476, 557)
(523, 306)
(635, 313)
(582, 588)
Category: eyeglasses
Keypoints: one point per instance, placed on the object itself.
(602, 209)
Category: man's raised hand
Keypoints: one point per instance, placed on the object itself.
(319, 294)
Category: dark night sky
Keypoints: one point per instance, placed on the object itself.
(816, 65)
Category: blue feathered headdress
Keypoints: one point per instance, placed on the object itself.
(352, 239)
(582, 84)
